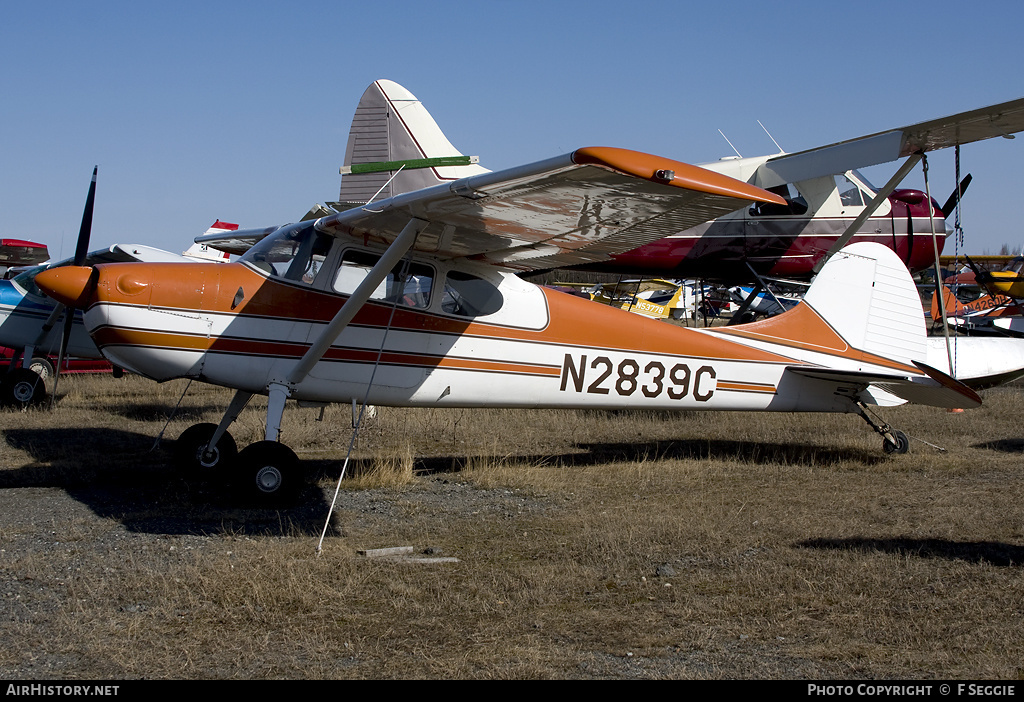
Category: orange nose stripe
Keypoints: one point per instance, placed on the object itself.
(70, 285)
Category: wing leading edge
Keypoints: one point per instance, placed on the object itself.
(577, 208)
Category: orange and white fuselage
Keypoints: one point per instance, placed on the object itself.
(236, 326)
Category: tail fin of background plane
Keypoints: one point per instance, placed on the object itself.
(391, 128)
(203, 252)
(953, 306)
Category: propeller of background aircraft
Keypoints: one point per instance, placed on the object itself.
(954, 197)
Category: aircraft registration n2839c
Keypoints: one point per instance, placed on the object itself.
(414, 300)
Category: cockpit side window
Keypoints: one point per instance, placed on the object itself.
(849, 194)
(469, 296)
(408, 283)
(796, 204)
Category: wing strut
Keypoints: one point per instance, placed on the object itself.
(280, 390)
(938, 268)
(879, 198)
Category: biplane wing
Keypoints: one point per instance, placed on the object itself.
(235, 242)
(1001, 120)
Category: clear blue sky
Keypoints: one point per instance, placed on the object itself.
(240, 110)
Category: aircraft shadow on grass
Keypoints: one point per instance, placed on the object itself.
(993, 552)
(118, 474)
(756, 452)
(1004, 445)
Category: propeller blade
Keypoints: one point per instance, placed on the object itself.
(982, 278)
(81, 250)
(954, 197)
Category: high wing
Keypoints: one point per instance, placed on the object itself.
(577, 208)
(235, 242)
(1003, 120)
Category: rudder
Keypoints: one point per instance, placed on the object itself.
(390, 124)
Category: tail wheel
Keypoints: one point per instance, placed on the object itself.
(22, 387)
(898, 444)
(192, 454)
(269, 472)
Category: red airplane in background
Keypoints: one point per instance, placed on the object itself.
(396, 147)
(18, 252)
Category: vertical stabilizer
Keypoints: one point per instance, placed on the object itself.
(863, 303)
(866, 294)
(391, 125)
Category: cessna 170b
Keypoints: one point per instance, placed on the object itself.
(414, 300)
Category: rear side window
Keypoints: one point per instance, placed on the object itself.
(468, 296)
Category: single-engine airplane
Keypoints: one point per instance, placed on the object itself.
(413, 300)
(395, 146)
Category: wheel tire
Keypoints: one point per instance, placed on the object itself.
(901, 445)
(190, 451)
(268, 472)
(42, 367)
(22, 387)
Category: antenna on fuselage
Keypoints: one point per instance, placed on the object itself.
(729, 143)
(781, 150)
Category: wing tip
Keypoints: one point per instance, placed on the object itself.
(667, 171)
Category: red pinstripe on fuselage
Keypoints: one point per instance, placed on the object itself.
(166, 321)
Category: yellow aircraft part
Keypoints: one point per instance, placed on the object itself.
(1008, 282)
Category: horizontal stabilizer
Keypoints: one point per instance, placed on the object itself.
(936, 390)
(978, 362)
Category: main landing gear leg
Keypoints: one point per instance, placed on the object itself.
(893, 440)
(268, 471)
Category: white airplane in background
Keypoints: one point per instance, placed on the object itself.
(414, 300)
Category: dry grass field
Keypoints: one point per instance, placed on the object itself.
(549, 544)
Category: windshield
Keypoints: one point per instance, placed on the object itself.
(294, 252)
(865, 182)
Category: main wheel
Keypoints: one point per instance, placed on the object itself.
(901, 443)
(22, 387)
(191, 454)
(42, 367)
(269, 472)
